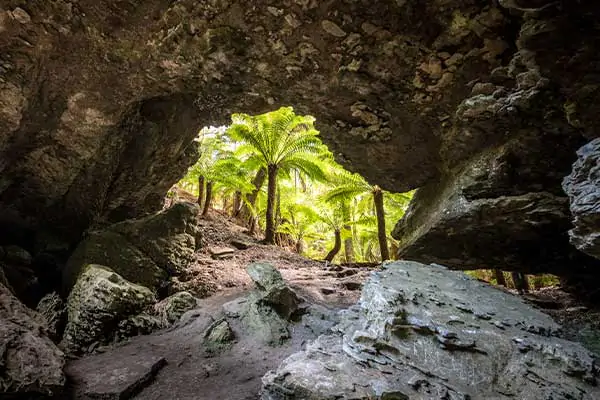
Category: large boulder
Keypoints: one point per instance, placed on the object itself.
(30, 363)
(583, 188)
(426, 332)
(146, 251)
(98, 302)
(267, 312)
(505, 209)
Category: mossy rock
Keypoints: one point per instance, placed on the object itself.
(110, 248)
(99, 300)
(170, 310)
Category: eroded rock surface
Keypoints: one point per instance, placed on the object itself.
(426, 332)
(267, 312)
(583, 188)
(416, 86)
(31, 364)
(146, 251)
(98, 302)
(504, 209)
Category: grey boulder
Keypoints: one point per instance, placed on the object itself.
(30, 363)
(423, 332)
(583, 188)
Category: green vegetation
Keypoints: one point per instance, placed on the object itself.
(309, 203)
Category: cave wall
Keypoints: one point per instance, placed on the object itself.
(77, 145)
(99, 100)
(503, 206)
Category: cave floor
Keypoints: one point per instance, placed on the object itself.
(175, 364)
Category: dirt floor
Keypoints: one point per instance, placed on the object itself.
(194, 372)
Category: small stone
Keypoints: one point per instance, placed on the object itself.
(219, 334)
(292, 21)
(332, 28)
(369, 28)
(327, 290)
(220, 253)
(276, 12)
(21, 15)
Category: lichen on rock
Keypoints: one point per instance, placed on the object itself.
(98, 302)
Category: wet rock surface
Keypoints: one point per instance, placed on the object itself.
(427, 332)
(31, 364)
(146, 251)
(583, 188)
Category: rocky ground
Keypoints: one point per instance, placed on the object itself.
(180, 363)
(184, 365)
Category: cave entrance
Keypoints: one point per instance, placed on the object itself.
(272, 174)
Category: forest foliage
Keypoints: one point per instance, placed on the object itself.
(273, 174)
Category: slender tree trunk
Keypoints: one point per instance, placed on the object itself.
(200, 190)
(258, 182)
(252, 226)
(500, 277)
(349, 246)
(271, 194)
(300, 246)
(336, 247)
(237, 203)
(381, 233)
(208, 201)
(520, 281)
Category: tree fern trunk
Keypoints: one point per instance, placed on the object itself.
(381, 233)
(500, 279)
(258, 182)
(237, 203)
(208, 201)
(349, 246)
(271, 194)
(200, 190)
(336, 247)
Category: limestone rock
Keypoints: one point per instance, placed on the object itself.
(583, 188)
(498, 211)
(104, 376)
(53, 310)
(110, 248)
(218, 335)
(266, 312)
(426, 332)
(31, 363)
(273, 290)
(98, 302)
(145, 251)
(141, 324)
(173, 307)
(221, 253)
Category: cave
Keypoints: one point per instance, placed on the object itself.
(488, 108)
